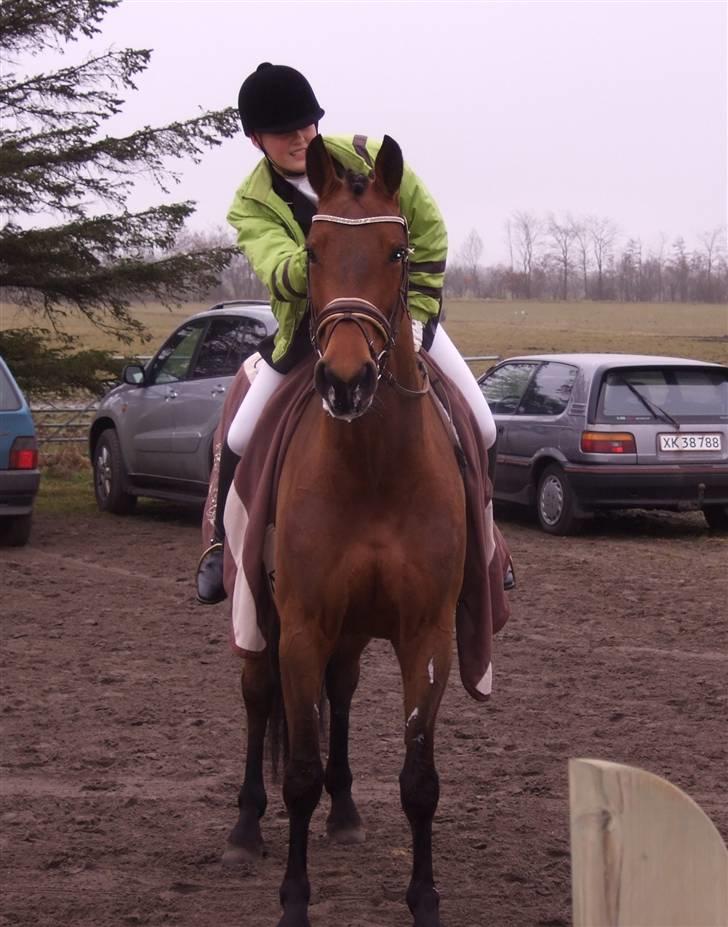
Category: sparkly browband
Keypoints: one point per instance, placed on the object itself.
(369, 220)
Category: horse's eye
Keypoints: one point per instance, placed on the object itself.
(311, 255)
(398, 254)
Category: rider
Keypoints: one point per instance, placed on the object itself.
(272, 212)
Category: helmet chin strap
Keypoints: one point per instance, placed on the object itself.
(276, 167)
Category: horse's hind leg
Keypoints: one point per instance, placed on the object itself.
(425, 668)
(245, 841)
(342, 675)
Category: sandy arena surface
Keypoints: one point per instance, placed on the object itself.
(122, 729)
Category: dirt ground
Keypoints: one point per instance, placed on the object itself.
(122, 729)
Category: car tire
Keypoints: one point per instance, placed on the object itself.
(110, 476)
(716, 516)
(556, 505)
(15, 530)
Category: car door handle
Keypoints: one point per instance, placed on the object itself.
(171, 394)
(217, 390)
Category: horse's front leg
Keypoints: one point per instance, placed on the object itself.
(303, 658)
(342, 676)
(425, 667)
(245, 841)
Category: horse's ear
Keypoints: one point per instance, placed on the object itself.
(389, 166)
(319, 167)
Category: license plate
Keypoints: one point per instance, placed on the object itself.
(691, 442)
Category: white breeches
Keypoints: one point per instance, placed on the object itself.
(265, 382)
(443, 352)
(450, 360)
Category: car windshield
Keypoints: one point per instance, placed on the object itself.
(683, 392)
(9, 399)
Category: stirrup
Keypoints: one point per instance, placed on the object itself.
(509, 577)
(215, 591)
(216, 545)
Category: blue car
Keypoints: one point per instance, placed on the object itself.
(19, 474)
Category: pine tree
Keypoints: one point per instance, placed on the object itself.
(55, 159)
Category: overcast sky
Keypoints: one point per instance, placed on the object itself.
(616, 109)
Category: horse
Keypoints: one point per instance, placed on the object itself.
(370, 535)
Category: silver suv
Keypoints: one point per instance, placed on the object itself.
(152, 435)
(580, 432)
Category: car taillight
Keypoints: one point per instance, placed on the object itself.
(24, 454)
(607, 442)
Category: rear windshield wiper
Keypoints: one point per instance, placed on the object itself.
(649, 405)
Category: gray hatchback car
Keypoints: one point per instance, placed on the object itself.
(581, 432)
(152, 435)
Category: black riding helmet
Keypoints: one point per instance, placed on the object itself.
(276, 98)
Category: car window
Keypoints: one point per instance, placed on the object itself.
(173, 361)
(9, 399)
(549, 391)
(504, 387)
(697, 392)
(228, 342)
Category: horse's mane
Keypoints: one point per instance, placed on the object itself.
(356, 181)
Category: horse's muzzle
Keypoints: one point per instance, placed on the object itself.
(349, 399)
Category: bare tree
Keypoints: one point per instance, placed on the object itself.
(237, 280)
(582, 245)
(469, 257)
(527, 230)
(562, 241)
(629, 284)
(602, 235)
(714, 245)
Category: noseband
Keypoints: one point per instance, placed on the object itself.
(357, 310)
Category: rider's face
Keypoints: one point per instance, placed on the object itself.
(287, 150)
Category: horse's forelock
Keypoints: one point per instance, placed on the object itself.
(358, 183)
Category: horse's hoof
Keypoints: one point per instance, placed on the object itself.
(295, 917)
(234, 856)
(347, 836)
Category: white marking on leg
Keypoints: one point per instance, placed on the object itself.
(413, 716)
(431, 670)
(486, 683)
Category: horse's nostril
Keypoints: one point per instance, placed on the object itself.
(320, 378)
(368, 379)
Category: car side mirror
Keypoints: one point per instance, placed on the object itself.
(133, 374)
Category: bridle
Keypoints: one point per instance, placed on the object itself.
(359, 311)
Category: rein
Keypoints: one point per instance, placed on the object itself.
(357, 310)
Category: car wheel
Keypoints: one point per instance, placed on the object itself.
(110, 476)
(555, 502)
(15, 530)
(716, 516)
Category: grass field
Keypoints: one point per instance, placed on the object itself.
(63, 492)
(508, 328)
(504, 328)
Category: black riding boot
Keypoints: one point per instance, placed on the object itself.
(209, 577)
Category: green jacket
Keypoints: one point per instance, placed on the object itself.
(274, 243)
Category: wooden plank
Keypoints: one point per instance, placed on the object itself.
(643, 853)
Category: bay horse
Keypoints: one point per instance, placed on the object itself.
(370, 534)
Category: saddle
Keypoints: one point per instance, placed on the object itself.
(249, 572)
